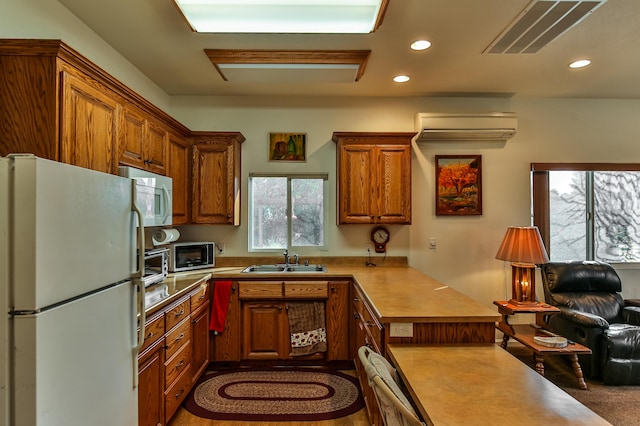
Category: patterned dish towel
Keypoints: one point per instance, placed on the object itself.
(307, 327)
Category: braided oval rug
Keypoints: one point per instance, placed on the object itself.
(275, 394)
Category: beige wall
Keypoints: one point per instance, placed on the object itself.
(580, 130)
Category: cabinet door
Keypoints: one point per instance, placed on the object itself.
(226, 345)
(265, 331)
(337, 317)
(151, 387)
(132, 136)
(214, 196)
(89, 124)
(178, 170)
(200, 341)
(393, 184)
(156, 148)
(357, 184)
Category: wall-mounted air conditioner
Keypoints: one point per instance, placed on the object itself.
(445, 127)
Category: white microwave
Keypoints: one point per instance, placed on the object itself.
(153, 195)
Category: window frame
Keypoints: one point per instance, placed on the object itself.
(540, 205)
(289, 177)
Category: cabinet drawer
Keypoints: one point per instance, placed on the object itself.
(154, 329)
(177, 392)
(178, 337)
(260, 290)
(372, 327)
(358, 303)
(177, 313)
(177, 364)
(199, 297)
(305, 289)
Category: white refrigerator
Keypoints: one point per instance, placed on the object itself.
(68, 337)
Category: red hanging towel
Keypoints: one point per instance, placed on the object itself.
(221, 292)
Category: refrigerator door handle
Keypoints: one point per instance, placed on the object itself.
(139, 289)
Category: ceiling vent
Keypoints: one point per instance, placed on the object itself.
(540, 23)
(448, 127)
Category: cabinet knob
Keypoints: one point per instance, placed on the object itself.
(228, 216)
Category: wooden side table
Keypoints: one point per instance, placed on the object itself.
(524, 333)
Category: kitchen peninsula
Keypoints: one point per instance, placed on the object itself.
(373, 306)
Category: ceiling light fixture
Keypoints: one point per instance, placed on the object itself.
(420, 45)
(580, 63)
(401, 78)
(283, 16)
(283, 65)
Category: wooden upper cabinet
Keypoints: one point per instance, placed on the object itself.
(132, 137)
(216, 178)
(89, 121)
(156, 147)
(143, 141)
(374, 177)
(178, 162)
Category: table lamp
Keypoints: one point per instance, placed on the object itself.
(523, 247)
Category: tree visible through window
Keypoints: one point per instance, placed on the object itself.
(593, 212)
(287, 211)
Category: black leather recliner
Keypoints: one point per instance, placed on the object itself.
(594, 314)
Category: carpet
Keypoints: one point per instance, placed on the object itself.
(619, 405)
(275, 394)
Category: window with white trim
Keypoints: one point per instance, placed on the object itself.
(287, 211)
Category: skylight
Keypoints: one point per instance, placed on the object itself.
(283, 16)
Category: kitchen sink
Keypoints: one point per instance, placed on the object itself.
(281, 267)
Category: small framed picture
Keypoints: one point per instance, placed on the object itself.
(458, 185)
(287, 147)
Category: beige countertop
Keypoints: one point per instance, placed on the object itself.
(396, 293)
(172, 288)
(483, 385)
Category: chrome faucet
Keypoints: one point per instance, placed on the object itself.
(287, 258)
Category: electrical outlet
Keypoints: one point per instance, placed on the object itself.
(432, 242)
(367, 247)
(220, 247)
(401, 329)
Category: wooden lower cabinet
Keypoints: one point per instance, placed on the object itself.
(174, 355)
(257, 324)
(199, 341)
(265, 331)
(151, 386)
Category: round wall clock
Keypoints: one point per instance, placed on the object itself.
(380, 238)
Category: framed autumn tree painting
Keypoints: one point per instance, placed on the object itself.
(458, 185)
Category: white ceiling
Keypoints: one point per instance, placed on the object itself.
(153, 36)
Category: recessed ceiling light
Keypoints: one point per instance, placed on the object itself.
(283, 16)
(580, 64)
(421, 44)
(401, 78)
